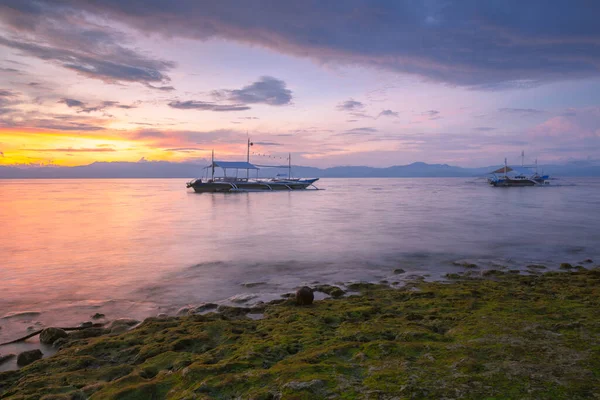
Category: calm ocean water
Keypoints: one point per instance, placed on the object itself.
(135, 248)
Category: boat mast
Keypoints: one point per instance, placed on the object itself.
(522, 158)
(505, 167)
(248, 157)
(289, 165)
(212, 164)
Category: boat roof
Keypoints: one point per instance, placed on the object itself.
(502, 170)
(234, 164)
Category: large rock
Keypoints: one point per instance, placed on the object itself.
(27, 357)
(304, 296)
(50, 335)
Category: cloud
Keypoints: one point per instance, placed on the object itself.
(146, 133)
(206, 106)
(267, 144)
(267, 90)
(358, 131)
(388, 113)
(185, 149)
(432, 114)
(484, 128)
(516, 43)
(83, 107)
(1, 154)
(350, 105)
(66, 36)
(74, 150)
(520, 111)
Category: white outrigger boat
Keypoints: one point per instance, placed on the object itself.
(237, 184)
(515, 176)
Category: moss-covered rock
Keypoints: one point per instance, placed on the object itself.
(513, 337)
(333, 291)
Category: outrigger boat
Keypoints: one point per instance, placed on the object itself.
(237, 184)
(519, 177)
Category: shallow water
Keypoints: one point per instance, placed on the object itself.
(134, 248)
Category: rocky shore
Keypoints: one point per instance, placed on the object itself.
(484, 334)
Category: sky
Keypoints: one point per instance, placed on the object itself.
(354, 82)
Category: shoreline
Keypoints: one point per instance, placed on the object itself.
(540, 326)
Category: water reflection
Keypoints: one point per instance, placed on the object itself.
(132, 246)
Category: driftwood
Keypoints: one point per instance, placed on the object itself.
(32, 334)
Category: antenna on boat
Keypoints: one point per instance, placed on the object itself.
(212, 164)
(289, 165)
(536, 166)
(248, 155)
(522, 158)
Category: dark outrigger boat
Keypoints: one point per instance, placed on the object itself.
(237, 184)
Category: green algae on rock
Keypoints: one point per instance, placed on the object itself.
(513, 337)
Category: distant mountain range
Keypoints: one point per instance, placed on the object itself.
(164, 169)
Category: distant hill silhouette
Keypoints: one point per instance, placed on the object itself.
(165, 169)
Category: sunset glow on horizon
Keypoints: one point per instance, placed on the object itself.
(375, 85)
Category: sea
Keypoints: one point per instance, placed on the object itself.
(134, 248)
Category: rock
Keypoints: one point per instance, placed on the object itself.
(27, 357)
(88, 333)
(183, 311)
(86, 324)
(492, 272)
(399, 271)
(566, 266)
(50, 335)
(536, 266)
(465, 264)
(277, 301)
(98, 316)
(162, 316)
(58, 343)
(122, 325)
(242, 298)
(333, 291)
(253, 284)
(18, 314)
(304, 296)
(6, 357)
(233, 312)
(205, 307)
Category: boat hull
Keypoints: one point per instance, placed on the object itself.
(508, 182)
(250, 186)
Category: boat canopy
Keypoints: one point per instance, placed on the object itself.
(274, 166)
(502, 170)
(234, 165)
